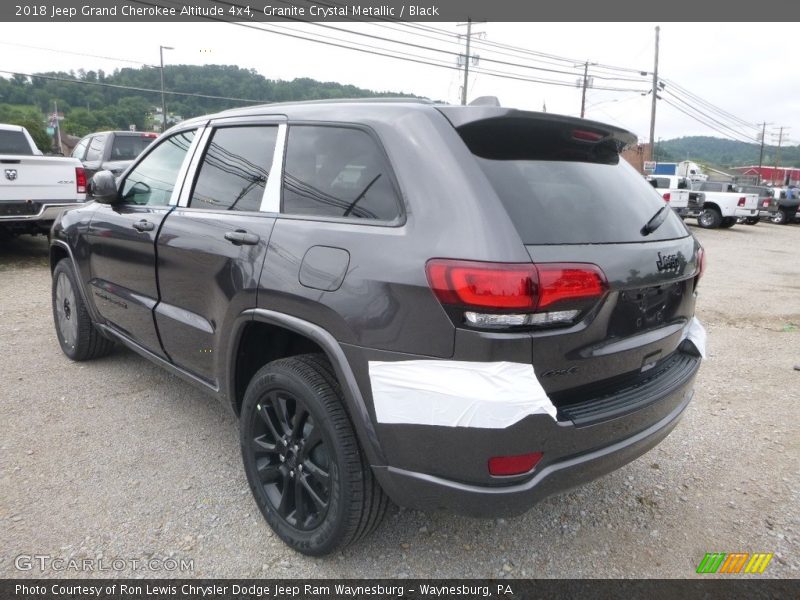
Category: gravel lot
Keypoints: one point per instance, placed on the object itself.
(117, 459)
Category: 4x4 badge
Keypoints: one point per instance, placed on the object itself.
(11, 174)
(669, 262)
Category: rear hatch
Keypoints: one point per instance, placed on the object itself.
(576, 203)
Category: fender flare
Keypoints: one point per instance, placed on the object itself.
(81, 288)
(357, 408)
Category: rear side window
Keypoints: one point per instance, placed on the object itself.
(80, 149)
(95, 151)
(14, 142)
(337, 172)
(128, 147)
(561, 190)
(235, 168)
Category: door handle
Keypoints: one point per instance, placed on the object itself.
(143, 226)
(240, 236)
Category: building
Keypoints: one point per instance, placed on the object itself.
(773, 175)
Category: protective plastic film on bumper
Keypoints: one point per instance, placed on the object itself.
(456, 393)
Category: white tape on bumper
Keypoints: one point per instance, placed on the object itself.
(491, 395)
(696, 334)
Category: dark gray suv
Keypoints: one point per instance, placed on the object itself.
(465, 308)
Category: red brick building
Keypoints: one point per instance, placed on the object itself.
(774, 175)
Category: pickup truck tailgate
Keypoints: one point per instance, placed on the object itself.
(38, 178)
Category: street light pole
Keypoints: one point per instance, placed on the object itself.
(163, 98)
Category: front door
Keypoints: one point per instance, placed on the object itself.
(122, 238)
(211, 248)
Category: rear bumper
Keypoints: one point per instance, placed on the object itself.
(745, 212)
(433, 467)
(42, 211)
(425, 492)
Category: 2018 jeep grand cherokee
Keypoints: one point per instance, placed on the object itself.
(466, 308)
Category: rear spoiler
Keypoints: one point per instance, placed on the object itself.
(509, 134)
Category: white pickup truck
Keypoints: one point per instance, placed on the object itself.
(674, 190)
(34, 189)
(718, 205)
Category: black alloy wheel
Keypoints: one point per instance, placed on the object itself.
(292, 460)
(302, 459)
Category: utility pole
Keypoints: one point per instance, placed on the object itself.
(466, 64)
(585, 83)
(58, 129)
(778, 153)
(163, 97)
(761, 152)
(655, 93)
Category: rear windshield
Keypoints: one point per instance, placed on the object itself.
(661, 182)
(128, 147)
(568, 202)
(14, 142)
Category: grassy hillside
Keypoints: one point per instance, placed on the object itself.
(723, 152)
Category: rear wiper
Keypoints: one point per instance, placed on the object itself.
(656, 220)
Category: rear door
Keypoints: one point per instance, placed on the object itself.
(122, 240)
(211, 248)
(574, 202)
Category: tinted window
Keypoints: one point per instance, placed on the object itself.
(96, 148)
(661, 182)
(152, 180)
(14, 142)
(80, 148)
(567, 202)
(235, 168)
(337, 172)
(128, 147)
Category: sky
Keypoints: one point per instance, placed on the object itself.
(745, 70)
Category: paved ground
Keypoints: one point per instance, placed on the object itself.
(118, 460)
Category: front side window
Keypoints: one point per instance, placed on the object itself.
(337, 172)
(151, 182)
(235, 168)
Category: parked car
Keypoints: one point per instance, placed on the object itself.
(766, 196)
(467, 308)
(34, 188)
(673, 189)
(111, 150)
(720, 205)
(782, 209)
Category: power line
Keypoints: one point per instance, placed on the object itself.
(128, 87)
(700, 120)
(709, 117)
(126, 60)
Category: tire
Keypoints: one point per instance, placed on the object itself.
(780, 218)
(751, 221)
(728, 222)
(77, 335)
(710, 218)
(298, 442)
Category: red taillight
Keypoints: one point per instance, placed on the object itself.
(80, 180)
(485, 285)
(513, 465)
(742, 200)
(667, 196)
(150, 135)
(565, 281)
(517, 286)
(586, 136)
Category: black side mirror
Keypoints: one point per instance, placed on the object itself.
(103, 188)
